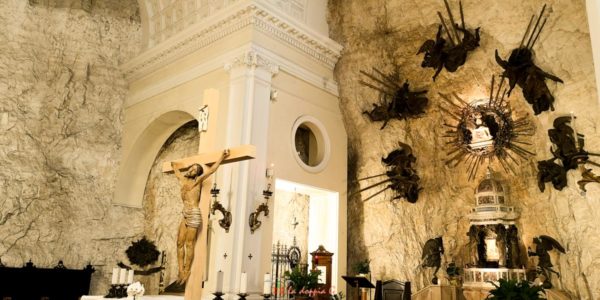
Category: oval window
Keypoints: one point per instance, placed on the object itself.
(311, 144)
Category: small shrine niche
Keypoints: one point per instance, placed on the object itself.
(494, 243)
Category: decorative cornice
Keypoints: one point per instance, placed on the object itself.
(248, 14)
(252, 59)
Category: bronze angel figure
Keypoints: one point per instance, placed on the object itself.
(432, 256)
(452, 53)
(568, 150)
(401, 176)
(522, 71)
(545, 244)
(397, 101)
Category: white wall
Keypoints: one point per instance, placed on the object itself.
(593, 12)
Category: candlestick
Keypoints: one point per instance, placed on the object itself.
(243, 283)
(243, 296)
(112, 292)
(218, 296)
(267, 284)
(115, 276)
(122, 276)
(130, 277)
(219, 287)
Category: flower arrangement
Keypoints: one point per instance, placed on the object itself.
(135, 290)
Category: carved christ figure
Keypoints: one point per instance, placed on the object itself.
(191, 190)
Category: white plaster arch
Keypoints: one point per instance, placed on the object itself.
(135, 168)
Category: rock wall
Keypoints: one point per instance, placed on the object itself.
(388, 34)
(61, 102)
(163, 204)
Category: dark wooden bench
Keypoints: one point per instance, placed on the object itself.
(31, 283)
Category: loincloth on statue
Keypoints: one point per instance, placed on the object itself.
(192, 217)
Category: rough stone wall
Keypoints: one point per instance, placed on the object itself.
(162, 201)
(385, 34)
(61, 102)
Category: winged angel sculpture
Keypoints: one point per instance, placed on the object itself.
(545, 244)
(452, 53)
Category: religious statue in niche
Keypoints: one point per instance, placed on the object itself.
(396, 101)
(191, 189)
(521, 70)
(494, 246)
(401, 176)
(568, 149)
(432, 256)
(543, 245)
(439, 54)
(493, 236)
(484, 130)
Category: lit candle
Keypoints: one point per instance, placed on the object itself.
(115, 276)
(267, 285)
(574, 131)
(219, 288)
(243, 283)
(271, 171)
(130, 277)
(122, 276)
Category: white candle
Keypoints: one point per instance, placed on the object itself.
(267, 285)
(243, 283)
(130, 277)
(122, 276)
(219, 288)
(271, 171)
(115, 276)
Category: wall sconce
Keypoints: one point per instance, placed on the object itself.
(263, 207)
(225, 222)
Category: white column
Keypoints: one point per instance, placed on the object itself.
(593, 13)
(247, 123)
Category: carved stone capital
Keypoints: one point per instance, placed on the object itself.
(252, 60)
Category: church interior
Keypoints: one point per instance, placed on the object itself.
(299, 149)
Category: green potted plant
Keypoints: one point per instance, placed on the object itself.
(302, 281)
(514, 290)
(362, 268)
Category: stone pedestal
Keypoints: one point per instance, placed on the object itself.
(475, 293)
(438, 292)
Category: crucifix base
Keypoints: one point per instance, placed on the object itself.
(175, 288)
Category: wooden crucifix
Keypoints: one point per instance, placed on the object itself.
(195, 192)
(194, 175)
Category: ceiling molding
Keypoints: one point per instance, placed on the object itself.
(258, 16)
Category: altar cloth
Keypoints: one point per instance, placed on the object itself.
(149, 297)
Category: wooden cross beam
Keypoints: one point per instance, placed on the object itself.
(236, 154)
(193, 289)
